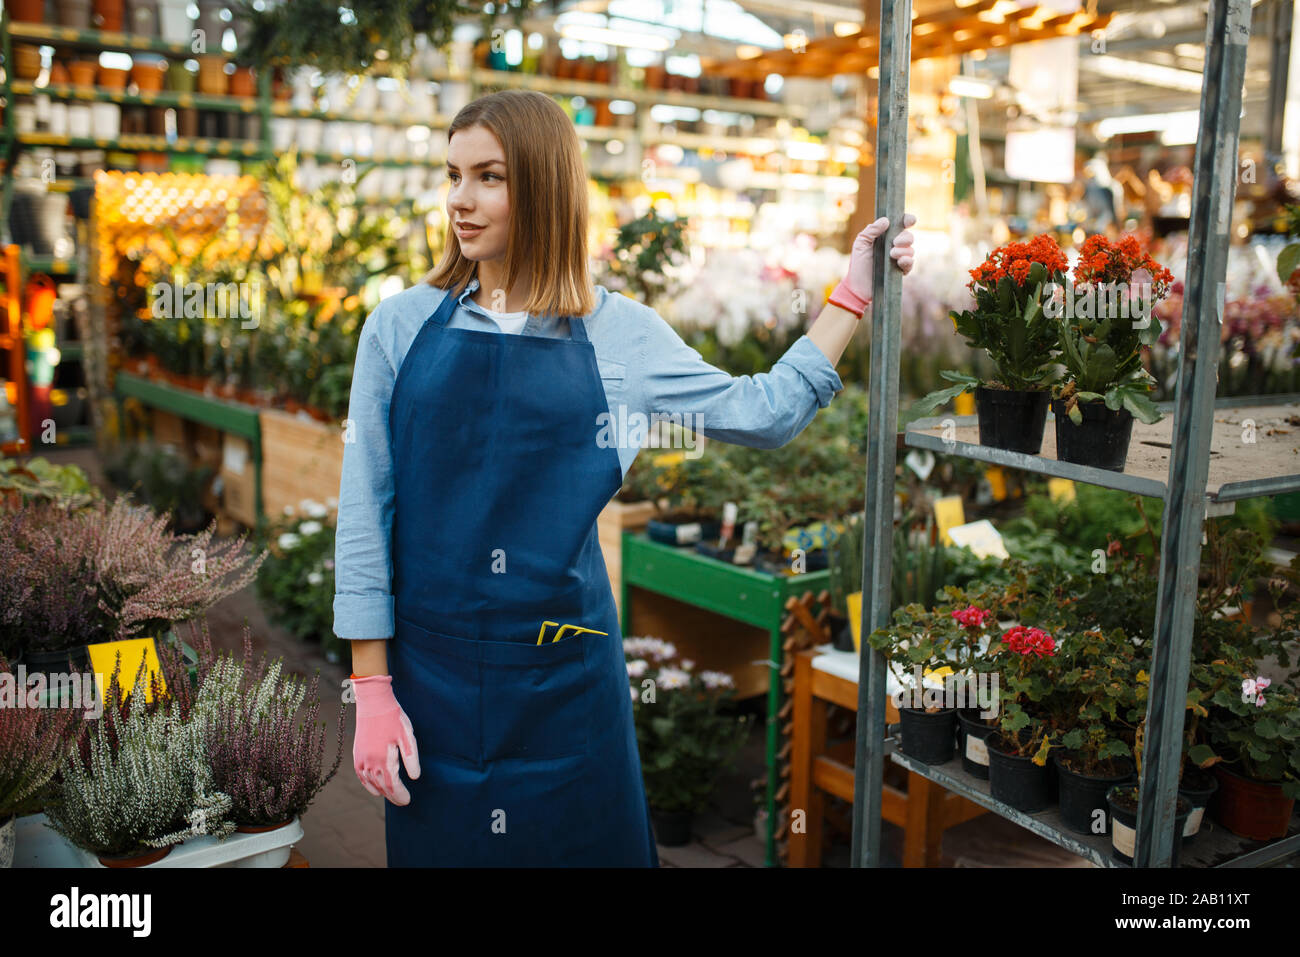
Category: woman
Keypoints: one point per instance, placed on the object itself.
(469, 575)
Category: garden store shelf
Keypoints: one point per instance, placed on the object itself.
(97, 39)
(145, 143)
(1268, 466)
(68, 91)
(1213, 847)
(37, 845)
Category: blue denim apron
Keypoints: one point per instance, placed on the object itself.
(528, 752)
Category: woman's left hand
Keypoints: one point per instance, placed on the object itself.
(857, 284)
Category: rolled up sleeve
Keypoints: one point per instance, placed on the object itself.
(363, 561)
(763, 411)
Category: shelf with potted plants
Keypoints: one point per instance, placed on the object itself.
(1070, 706)
(1079, 346)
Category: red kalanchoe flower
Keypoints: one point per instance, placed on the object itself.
(972, 617)
(1101, 261)
(1030, 641)
(1016, 259)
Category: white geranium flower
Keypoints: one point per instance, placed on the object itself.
(288, 541)
(315, 578)
(312, 508)
(288, 511)
(332, 502)
(310, 528)
(635, 669)
(716, 679)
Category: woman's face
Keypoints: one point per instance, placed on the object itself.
(476, 170)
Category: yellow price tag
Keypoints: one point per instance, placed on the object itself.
(1061, 490)
(948, 512)
(964, 404)
(997, 482)
(854, 603)
(103, 657)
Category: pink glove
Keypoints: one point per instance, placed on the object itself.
(383, 729)
(854, 291)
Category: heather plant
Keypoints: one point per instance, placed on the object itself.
(266, 742)
(106, 572)
(33, 742)
(139, 779)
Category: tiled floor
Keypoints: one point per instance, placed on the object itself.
(345, 826)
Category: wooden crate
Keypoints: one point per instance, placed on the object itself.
(238, 480)
(613, 520)
(301, 458)
(170, 429)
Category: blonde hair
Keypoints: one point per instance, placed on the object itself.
(547, 180)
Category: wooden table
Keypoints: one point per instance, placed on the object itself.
(924, 810)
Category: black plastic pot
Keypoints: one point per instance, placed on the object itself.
(930, 738)
(1011, 418)
(1017, 781)
(841, 632)
(1198, 787)
(970, 741)
(49, 661)
(672, 828)
(1123, 833)
(1100, 441)
(1081, 795)
(682, 533)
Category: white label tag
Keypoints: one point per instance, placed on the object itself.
(1122, 837)
(234, 456)
(977, 750)
(689, 534)
(1193, 822)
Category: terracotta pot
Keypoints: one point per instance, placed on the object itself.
(242, 82)
(138, 859)
(212, 74)
(83, 72)
(59, 74)
(27, 61)
(654, 77)
(28, 11)
(741, 87)
(111, 78)
(108, 14)
(1254, 809)
(148, 76)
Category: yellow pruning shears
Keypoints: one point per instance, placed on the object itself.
(561, 630)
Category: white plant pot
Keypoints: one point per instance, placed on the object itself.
(174, 20)
(25, 117)
(309, 134)
(367, 98)
(79, 120)
(106, 120)
(451, 97)
(390, 181)
(59, 119)
(7, 840)
(282, 130)
(363, 139)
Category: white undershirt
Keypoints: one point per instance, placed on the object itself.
(508, 321)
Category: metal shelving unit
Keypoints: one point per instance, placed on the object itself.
(1196, 463)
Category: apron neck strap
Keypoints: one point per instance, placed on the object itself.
(577, 328)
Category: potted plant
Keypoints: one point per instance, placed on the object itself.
(943, 646)
(32, 744)
(684, 734)
(1122, 800)
(297, 580)
(1105, 319)
(1009, 323)
(1251, 738)
(1093, 693)
(1018, 751)
(265, 742)
(138, 781)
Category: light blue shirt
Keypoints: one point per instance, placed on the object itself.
(645, 367)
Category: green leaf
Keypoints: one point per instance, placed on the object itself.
(1288, 261)
(928, 403)
(1202, 755)
(1140, 404)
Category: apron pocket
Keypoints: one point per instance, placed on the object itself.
(436, 680)
(536, 699)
